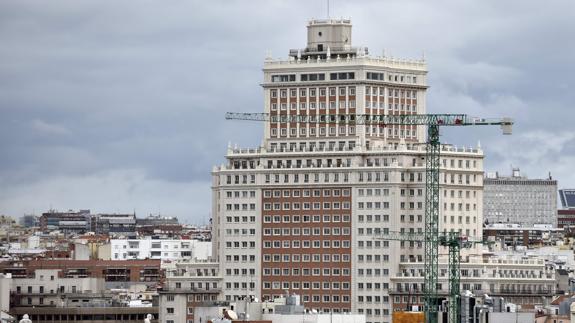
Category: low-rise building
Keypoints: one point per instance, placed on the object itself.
(518, 280)
(116, 274)
(188, 285)
(512, 234)
(164, 249)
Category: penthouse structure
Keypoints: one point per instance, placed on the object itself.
(298, 213)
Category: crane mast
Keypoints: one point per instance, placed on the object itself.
(432, 164)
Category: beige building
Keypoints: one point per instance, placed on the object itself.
(189, 284)
(299, 212)
(46, 288)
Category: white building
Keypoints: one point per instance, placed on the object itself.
(299, 212)
(518, 199)
(122, 249)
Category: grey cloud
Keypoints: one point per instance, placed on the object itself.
(97, 89)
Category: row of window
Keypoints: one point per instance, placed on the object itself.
(373, 218)
(373, 312)
(326, 218)
(240, 244)
(326, 231)
(306, 272)
(244, 194)
(237, 286)
(306, 231)
(315, 299)
(244, 219)
(313, 131)
(194, 285)
(373, 299)
(374, 76)
(392, 93)
(313, 146)
(306, 193)
(286, 244)
(308, 206)
(374, 191)
(460, 163)
(313, 92)
(459, 193)
(238, 272)
(243, 232)
(373, 272)
(244, 258)
(305, 257)
(310, 285)
(295, 178)
(314, 105)
(241, 207)
(371, 257)
(459, 206)
(391, 107)
(392, 132)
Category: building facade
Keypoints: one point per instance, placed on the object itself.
(518, 199)
(164, 249)
(116, 274)
(189, 285)
(299, 212)
(519, 280)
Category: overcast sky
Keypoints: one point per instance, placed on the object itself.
(117, 106)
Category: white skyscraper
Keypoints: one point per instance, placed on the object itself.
(299, 213)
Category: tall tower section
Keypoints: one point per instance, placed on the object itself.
(330, 76)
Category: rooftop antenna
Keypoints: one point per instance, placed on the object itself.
(327, 9)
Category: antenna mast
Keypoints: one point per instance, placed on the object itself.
(327, 9)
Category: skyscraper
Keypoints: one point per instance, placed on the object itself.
(299, 213)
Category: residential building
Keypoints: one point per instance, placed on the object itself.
(46, 287)
(116, 273)
(518, 199)
(189, 285)
(164, 249)
(521, 281)
(512, 234)
(299, 212)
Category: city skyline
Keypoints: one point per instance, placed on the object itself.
(111, 114)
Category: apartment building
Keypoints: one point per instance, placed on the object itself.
(116, 274)
(188, 285)
(163, 249)
(520, 280)
(47, 287)
(299, 212)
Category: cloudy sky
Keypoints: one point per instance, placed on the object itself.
(117, 106)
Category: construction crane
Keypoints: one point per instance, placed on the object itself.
(454, 242)
(432, 161)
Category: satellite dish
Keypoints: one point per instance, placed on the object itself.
(231, 315)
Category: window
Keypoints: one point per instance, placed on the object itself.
(170, 310)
